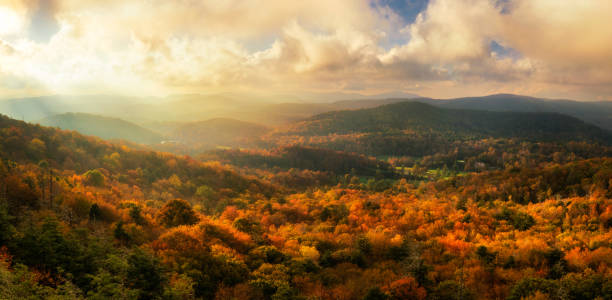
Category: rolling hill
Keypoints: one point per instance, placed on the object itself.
(277, 111)
(597, 113)
(218, 132)
(29, 144)
(36, 108)
(103, 127)
(454, 123)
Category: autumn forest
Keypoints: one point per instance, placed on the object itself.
(385, 204)
(305, 150)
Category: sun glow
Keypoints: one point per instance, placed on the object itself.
(10, 22)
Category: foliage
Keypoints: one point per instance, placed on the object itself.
(177, 212)
(97, 220)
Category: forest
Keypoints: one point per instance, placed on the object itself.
(316, 210)
(305, 150)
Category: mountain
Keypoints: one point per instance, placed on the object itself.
(597, 113)
(342, 96)
(283, 113)
(103, 127)
(218, 132)
(71, 152)
(454, 123)
(277, 110)
(36, 108)
(171, 109)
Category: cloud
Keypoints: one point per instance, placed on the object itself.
(560, 48)
(13, 16)
(558, 42)
(565, 33)
(572, 40)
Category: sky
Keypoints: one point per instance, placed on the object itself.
(435, 48)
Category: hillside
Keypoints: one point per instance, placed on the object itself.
(118, 229)
(72, 152)
(194, 107)
(458, 124)
(597, 113)
(82, 218)
(218, 132)
(103, 127)
(279, 114)
(306, 158)
(36, 108)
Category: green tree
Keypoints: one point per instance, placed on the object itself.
(376, 294)
(120, 234)
(94, 177)
(205, 192)
(48, 249)
(19, 283)
(94, 212)
(7, 230)
(110, 280)
(177, 212)
(135, 214)
(144, 273)
(528, 286)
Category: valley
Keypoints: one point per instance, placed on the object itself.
(393, 198)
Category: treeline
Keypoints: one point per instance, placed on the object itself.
(300, 157)
(431, 151)
(536, 184)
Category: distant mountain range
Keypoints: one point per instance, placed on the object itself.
(597, 113)
(455, 123)
(103, 127)
(177, 108)
(272, 112)
(229, 120)
(206, 134)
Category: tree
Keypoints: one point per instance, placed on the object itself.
(48, 249)
(177, 212)
(120, 234)
(135, 214)
(94, 212)
(376, 294)
(110, 281)
(205, 192)
(406, 288)
(189, 256)
(451, 290)
(36, 148)
(17, 282)
(94, 178)
(485, 256)
(145, 273)
(7, 231)
(528, 286)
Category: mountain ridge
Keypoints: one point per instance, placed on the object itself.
(195, 107)
(104, 127)
(414, 115)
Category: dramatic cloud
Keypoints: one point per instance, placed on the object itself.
(451, 48)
